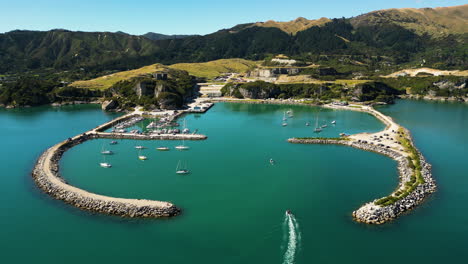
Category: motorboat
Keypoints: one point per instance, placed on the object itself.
(333, 122)
(272, 162)
(324, 126)
(284, 124)
(140, 147)
(288, 212)
(318, 130)
(307, 124)
(141, 157)
(113, 142)
(107, 152)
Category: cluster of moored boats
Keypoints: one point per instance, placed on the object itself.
(318, 128)
(181, 167)
(122, 127)
(163, 122)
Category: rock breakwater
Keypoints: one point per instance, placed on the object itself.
(371, 213)
(46, 175)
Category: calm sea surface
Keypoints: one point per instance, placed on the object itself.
(234, 200)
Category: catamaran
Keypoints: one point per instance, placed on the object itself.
(181, 169)
(182, 147)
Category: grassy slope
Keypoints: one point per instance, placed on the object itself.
(212, 69)
(207, 69)
(104, 82)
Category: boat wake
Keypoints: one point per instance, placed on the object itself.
(292, 237)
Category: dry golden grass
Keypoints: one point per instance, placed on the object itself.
(105, 82)
(215, 68)
(208, 70)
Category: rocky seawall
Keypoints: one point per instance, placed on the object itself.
(372, 213)
(46, 176)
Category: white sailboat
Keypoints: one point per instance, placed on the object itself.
(105, 151)
(317, 128)
(141, 157)
(185, 130)
(105, 164)
(290, 113)
(181, 169)
(284, 116)
(183, 146)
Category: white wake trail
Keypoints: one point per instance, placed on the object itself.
(292, 241)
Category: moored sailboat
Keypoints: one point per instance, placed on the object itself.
(182, 168)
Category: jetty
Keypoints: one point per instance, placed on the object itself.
(47, 178)
(416, 181)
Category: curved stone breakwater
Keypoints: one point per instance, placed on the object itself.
(46, 176)
(371, 213)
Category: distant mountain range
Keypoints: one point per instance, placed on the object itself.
(438, 36)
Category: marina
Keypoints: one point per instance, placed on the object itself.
(317, 183)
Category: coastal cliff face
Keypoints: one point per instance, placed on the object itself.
(153, 92)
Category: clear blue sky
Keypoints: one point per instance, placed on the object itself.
(181, 16)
